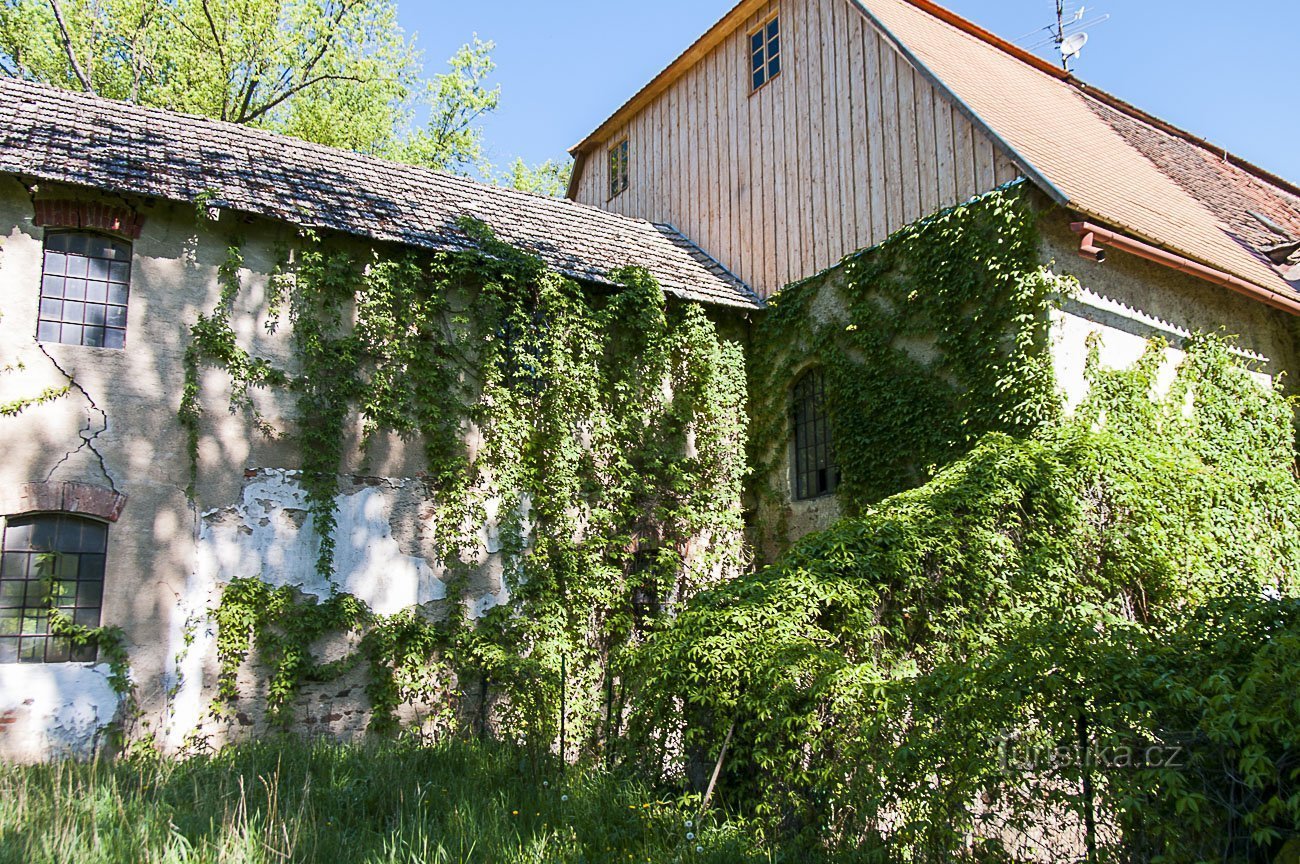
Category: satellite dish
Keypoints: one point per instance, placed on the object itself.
(1072, 45)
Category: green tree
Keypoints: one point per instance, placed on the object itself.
(547, 178)
(337, 72)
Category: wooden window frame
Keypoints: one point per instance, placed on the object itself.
(767, 58)
(814, 470)
(618, 163)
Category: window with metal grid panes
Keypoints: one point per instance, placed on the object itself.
(84, 284)
(49, 562)
(815, 470)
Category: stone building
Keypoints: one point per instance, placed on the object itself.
(788, 138)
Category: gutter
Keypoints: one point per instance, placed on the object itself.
(1093, 238)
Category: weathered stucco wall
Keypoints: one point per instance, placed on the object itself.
(1127, 301)
(170, 555)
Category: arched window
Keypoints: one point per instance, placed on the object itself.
(815, 470)
(50, 561)
(84, 284)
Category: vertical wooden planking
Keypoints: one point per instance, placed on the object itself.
(893, 157)
(846, 205)
(927, 145)
(709, 155)
(745, 168)
(804, 64)
(673, 156)
(963, 155)
(737, 156)
(769, 97)
(878, 175)
(907, 141)
(830, 136)
(860, 161)
(791, 207)
(985, 178)
(1004, 169)
(778, 204)
(817, 156)
(944, 145)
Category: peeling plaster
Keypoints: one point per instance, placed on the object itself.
(55, 709)
(271, 535)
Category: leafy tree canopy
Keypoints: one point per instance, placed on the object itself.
(336, 72)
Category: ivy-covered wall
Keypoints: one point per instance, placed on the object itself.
(363, 481)
(927, 342)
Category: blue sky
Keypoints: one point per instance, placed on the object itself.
(1227, 72)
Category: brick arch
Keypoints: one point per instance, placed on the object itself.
(65, 496)
(71, 213)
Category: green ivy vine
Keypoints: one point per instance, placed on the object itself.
(928, 341)
(611, 450)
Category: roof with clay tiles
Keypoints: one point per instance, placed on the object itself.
(76, 138)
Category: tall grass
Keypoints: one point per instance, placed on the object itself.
(294, 801)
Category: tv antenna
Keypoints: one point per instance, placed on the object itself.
(1067, 34)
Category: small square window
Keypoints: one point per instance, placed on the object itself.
(84, 286)
(765, 53)
(618, 168)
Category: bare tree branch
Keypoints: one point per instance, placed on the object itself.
(67, 46)
(262, 109)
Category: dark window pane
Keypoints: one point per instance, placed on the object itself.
(773, 27)
(56, 241)
(117, 294)
(93, 337)
(11, 593)
(83, 653)
(90, 594)
(115, 316)
(756, 41)
(773, 67)
(758, 61)
(95, 314)
(86, 617)
(10, 621)
(44, 533)
(78, 243)
(94, 536)
(114, 338)
(8, 650)
(57, 651)
(31, 650)
(120, 271)
(97, 268)
(758, 80)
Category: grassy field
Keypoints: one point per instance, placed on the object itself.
(290, 801)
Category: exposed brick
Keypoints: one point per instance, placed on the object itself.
(67, 496)
(70, 213)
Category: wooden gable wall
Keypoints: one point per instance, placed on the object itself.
(848, 144)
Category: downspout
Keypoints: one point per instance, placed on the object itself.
(1094, 237)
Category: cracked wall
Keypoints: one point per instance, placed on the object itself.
(169, 556)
